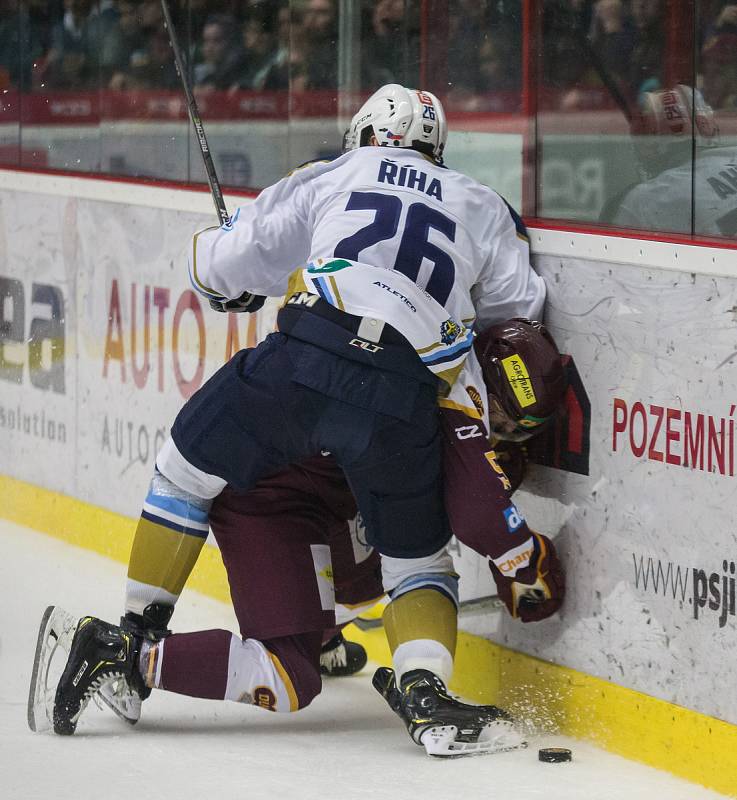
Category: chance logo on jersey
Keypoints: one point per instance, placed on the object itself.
(516, 559)
(513, 517)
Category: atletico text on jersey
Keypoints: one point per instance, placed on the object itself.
(455, 238)
(376, 294)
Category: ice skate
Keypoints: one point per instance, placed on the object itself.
(122, 700)
(118, 694)
(339, 657)
(445, 727)
(99, 652)
(52, 647)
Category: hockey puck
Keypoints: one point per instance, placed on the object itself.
(554, 755)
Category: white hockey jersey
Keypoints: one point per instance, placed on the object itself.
(452, 236)
(664, 202)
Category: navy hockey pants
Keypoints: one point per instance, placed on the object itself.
(288, 399)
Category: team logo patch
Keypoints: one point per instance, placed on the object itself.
(513, 517)
(519, 379)
(324, 575)
(263, 697)
(475, 399)
(450, 330)
(321, 266)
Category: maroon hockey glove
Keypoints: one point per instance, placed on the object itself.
(537, 590)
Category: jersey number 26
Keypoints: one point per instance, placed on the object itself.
(414, 244)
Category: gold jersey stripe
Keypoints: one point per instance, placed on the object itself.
(195, 277)
(286, 680)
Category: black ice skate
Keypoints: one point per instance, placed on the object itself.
(444, 726)
(339, 657)
(100, 652)
(125, 697)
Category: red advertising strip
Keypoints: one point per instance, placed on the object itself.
(675, 436)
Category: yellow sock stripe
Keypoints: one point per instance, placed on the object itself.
(163, 557)
(421, 614)
(286, 680)
(685, 743)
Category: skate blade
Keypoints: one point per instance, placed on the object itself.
(121, 700)
(55, 633)
(496, 737)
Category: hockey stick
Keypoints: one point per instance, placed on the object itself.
(194, 115)
(606, 77)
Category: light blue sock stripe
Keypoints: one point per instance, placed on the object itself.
(442, 581)
(175, 505)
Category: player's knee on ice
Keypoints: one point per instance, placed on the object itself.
(281, 674)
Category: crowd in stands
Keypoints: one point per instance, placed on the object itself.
(275, 45)
(629, 43)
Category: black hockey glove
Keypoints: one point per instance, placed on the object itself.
(246, 302)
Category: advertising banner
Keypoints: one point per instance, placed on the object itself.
(38, 328)
(102, 340)
(648, 536)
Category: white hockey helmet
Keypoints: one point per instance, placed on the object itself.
(400, 117)
(681, 112)
(668, 123)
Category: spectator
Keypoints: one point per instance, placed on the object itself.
(466, 27)
(260, 49)
(649, 44)
(390, 46)
(72, 61)
(220, 54)
(150, 68)
(122, 44)
(719, 70)
(564, 23)
(612, 37)
(288, 67)
(19, 46)
(320, 32)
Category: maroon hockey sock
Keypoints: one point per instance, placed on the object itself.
(196, 664)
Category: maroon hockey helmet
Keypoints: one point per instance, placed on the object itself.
(524, 377)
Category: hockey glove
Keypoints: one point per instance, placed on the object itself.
(246, 302)
(536, 591)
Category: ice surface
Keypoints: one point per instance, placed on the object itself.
(346, 745)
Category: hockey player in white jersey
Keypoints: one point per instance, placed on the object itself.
(389, 260)
(663, 136)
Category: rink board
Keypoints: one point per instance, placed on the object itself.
(549, 697)
(102, 341)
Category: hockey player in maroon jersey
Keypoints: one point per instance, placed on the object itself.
(279, 539)
(363, 351)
